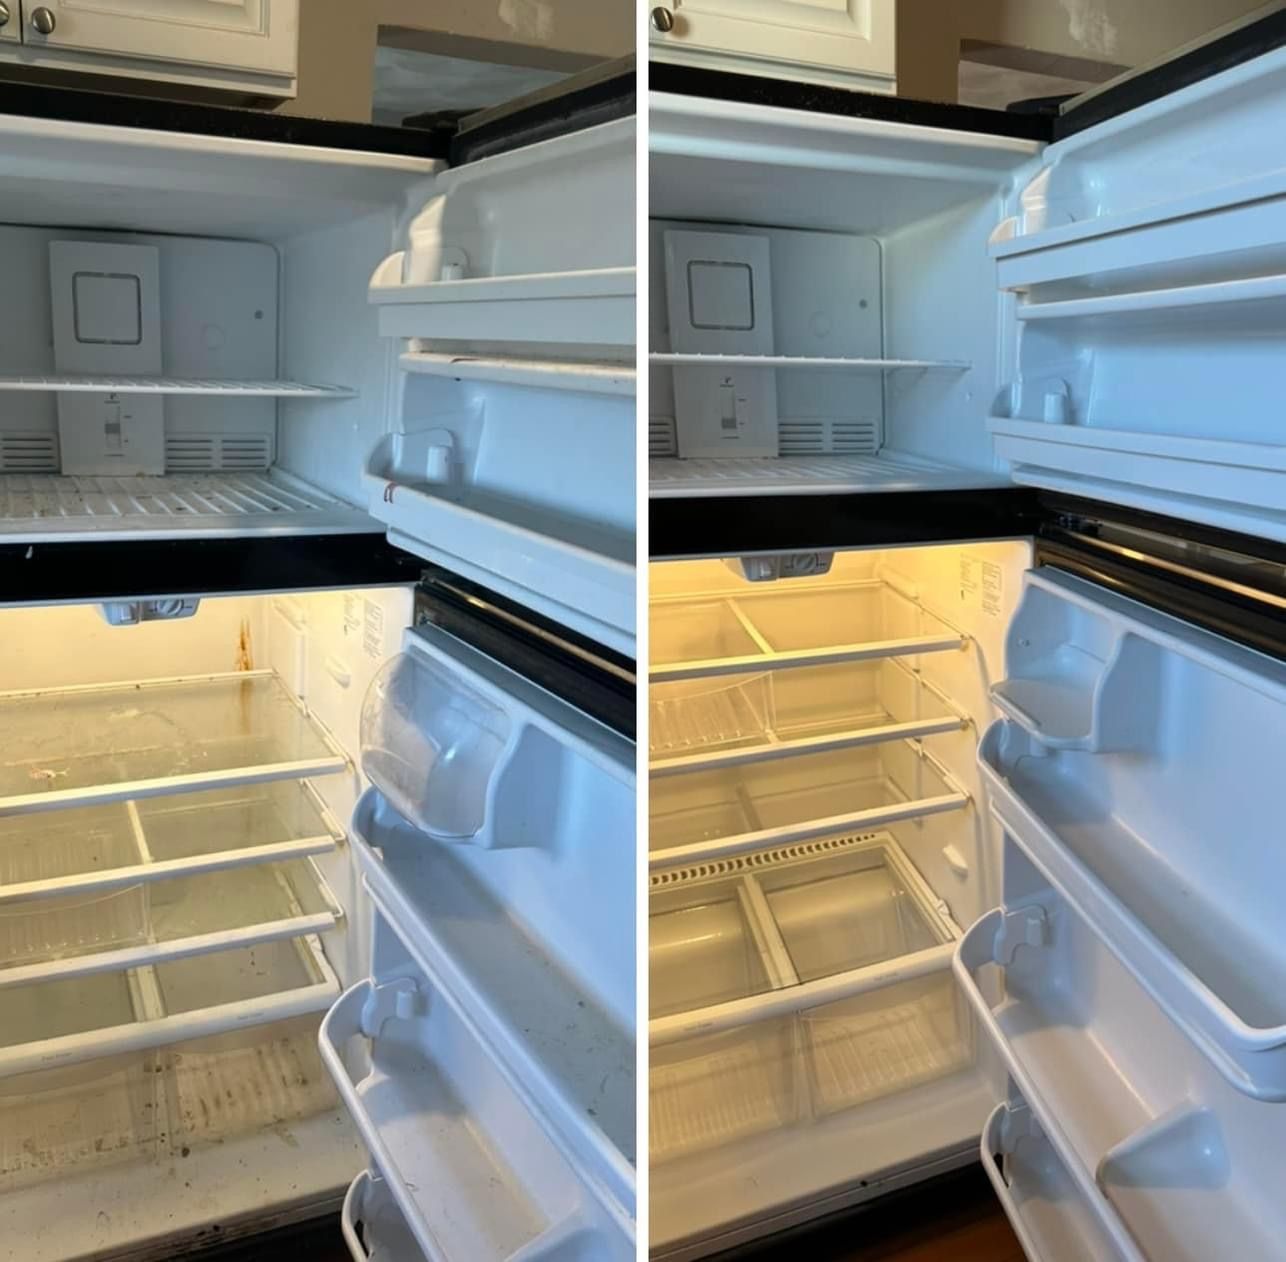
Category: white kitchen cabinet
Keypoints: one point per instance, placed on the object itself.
(247, 46)
(849, 42)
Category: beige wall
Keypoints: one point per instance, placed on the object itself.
(1125, 32)
(337, 40)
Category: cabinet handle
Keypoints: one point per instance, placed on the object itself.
(4, 14)
(663, 19)
(43, 21)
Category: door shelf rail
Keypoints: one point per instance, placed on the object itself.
(699, 725)
(1046, 1209)
(71, 1020)
(84, 745)
(580, 1088)
(73, 383)
(149, 924)
(594, 306)
(116, 846)
(617, 378)
(820, 363)
(471, 1172)
(1184, 983)
(704, 816)
(370, 1202)
(695, 638)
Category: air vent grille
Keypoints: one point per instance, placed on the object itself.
(217, 453)
(32, 452)
(739, 864)
(815, 436)
(661, 438)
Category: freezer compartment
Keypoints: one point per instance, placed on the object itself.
(574, 1059)
(729, 720)
(1046, 1209)
(150, 922)
(1125, 833)
(737, 810)
(157, 1106)
(471, 1169)
(694, 638)
(74, 1019)
(1167, 1154)
(110, 743)
(784, 1071)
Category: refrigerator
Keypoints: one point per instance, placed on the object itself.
(317, 690)
(966, 659)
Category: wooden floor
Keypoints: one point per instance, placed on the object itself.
(953, 1219)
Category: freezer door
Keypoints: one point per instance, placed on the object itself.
(1130, 980)
(495, 843)
(509, 456)
(1147, 267)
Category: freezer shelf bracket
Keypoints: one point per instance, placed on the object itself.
(399, 999)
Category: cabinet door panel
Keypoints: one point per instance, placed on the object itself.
(845, 35)
(254, 35)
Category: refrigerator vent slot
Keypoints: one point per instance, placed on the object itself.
(738, 864)
(213, 453)
(661, 439)
(813, 436)
(29, 452)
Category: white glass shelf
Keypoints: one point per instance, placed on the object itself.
(70, 1020)
(65, 507)
(696, 637)
(84, 745)
(74, 383)
(97, 849)
(831, 363)
(144, 924)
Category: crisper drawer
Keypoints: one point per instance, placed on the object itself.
(727, 811)
(794, 984)
(1169, 1158)
(468, 1164)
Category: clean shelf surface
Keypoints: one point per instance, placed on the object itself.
(51, 506)
(554, 374)
(737, 810)
(120, 844)
(755, 718)
(697, 637)
(111, 743)
(84, 384)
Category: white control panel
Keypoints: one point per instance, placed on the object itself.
(719, 302)
(107, 319)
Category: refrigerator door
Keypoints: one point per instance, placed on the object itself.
(510, 452)
(1131, 979)
(1150, 287)
(488, 1060)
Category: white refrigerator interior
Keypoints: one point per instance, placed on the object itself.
(297, 896)
(1002, 865)
(953, 310)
